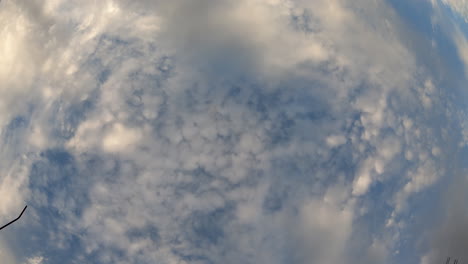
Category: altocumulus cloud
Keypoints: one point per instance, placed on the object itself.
(251, 131)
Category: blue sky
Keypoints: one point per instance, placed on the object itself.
(250, 131)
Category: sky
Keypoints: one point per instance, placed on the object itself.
(247, 131)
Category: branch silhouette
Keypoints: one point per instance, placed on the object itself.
(16, 218)
(448, 261)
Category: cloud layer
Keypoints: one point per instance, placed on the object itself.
(260, 131)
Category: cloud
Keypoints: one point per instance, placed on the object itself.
(333, 225)
(120, 138)
(6, 254)
(35, 260)
(217, 131)
(460, 7)
(448, 236)
(462, 47)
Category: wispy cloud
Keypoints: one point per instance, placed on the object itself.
(458, 6)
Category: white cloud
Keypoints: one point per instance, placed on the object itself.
(332, 224)
(335, 140)
(462, 46)
(121, 138)
(459, 6)
(35, 260)
(6, 254)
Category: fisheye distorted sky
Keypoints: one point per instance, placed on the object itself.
(247, 131)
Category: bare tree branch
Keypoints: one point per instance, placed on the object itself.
(16, 218)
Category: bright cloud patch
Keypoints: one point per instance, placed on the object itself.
(459, 6)
(35, 260)
(120, 138)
